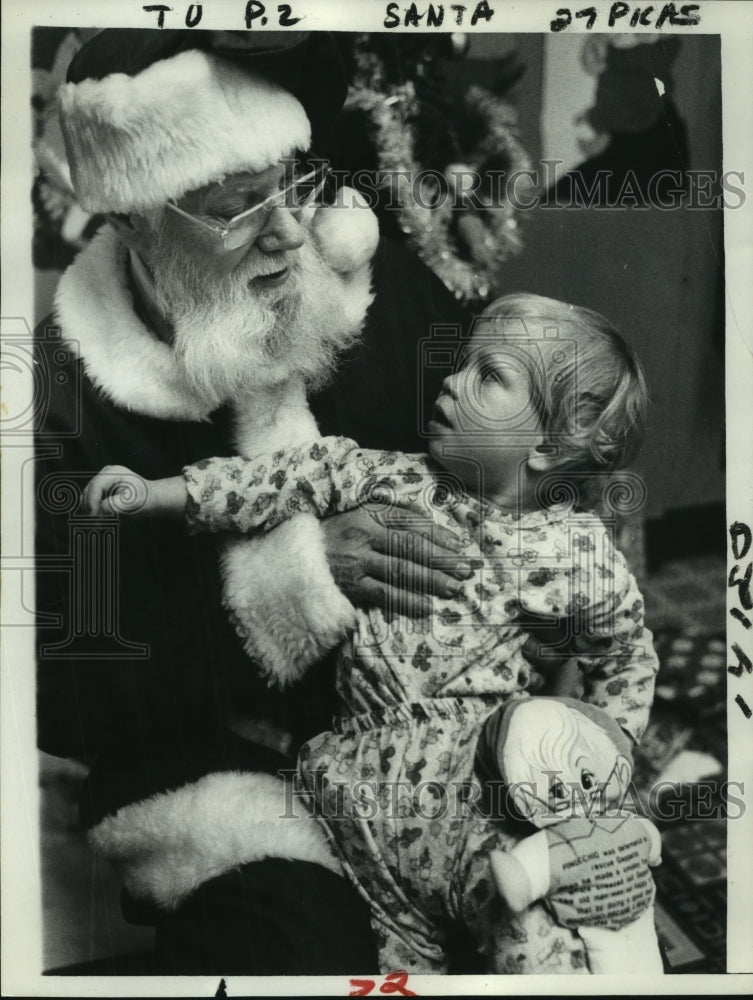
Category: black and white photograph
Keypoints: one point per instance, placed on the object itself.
(377, 522)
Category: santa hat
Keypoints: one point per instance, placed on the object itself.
(149, 115)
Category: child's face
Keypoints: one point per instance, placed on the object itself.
(484, 426)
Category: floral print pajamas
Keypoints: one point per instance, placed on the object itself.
(416, 845)
(416, 693)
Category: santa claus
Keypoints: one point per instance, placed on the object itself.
(221, 296)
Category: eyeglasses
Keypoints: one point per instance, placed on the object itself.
(247, 225)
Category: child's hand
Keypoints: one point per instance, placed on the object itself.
(116, 490)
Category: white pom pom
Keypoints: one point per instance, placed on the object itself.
(347, 232)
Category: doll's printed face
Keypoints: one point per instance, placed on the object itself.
(594, 775)
(585, 789)
(558, 764)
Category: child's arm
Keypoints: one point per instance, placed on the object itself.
(321, 477)
(243, 494)
(595, 599)
(240, 494)
(117, 490)
(614, 649)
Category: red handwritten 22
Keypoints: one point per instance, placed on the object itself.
(394, 982)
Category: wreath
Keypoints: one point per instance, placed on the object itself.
(462, 235)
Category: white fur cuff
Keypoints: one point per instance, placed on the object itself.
(283, 600)
(166, 846)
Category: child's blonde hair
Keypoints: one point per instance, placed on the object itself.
(588, 388)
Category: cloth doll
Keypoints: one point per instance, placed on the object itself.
(567, 766)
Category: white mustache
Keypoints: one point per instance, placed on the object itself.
(263, 264)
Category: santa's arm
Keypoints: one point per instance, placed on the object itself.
(523, 874)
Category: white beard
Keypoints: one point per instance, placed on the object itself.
(232, 339)
(260, 352)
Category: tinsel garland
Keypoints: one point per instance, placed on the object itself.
(492, 235)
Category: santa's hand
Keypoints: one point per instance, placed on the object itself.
(117, 490)
(398, 570)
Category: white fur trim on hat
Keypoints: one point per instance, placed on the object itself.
(135, 142)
